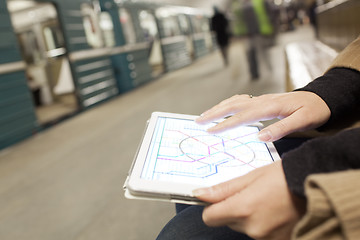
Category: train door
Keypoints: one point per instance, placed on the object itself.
(186, 30)
(151, 34)
(207, 33)
(47, 67)
(202, 39)
(173, 42)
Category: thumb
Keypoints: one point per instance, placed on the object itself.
(212, 194)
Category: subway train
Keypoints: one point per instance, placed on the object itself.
(62, 57)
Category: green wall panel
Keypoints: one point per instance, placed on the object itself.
(8, 42)
(132, 69)
(17, 116)
(95, 80)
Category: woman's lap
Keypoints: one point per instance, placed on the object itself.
(188, 225)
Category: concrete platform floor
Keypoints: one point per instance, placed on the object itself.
(66, 183)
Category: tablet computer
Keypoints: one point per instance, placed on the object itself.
(177, 155)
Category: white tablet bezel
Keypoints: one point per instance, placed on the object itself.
(136, 187)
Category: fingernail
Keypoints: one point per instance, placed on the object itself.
(265, 136)
(204, 113)
(200, 192)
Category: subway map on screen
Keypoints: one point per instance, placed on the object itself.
(182, 151)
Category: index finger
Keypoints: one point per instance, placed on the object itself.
(248, 116)
(225, 108)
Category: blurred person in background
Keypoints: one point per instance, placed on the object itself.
(260, 30)
(220, 25)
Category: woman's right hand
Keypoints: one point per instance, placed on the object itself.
(297, 111)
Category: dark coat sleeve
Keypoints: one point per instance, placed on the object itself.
(321, 155)
(340, 89)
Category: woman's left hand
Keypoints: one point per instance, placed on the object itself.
(258, 204)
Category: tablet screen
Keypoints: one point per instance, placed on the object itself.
(182, 151)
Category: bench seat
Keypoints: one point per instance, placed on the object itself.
(306, 61)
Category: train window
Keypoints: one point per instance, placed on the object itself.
(107, 29)
(184, 24)
(205, 26)
(197, 23)
(127, 25)
(53, 37)
(169, 22)
(148, 25)
(91, 26)
(170, 26)
(30, 47)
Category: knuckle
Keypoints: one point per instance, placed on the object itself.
(232, 109)
(281, 126)
(246, 210)
(272, 108)
(234, 97)
(257, 231)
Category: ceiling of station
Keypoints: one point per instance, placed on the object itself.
(204, 4)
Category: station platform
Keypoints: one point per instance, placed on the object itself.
(66, 183)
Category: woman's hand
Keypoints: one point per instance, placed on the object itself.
(297, 111)
(258, 204)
